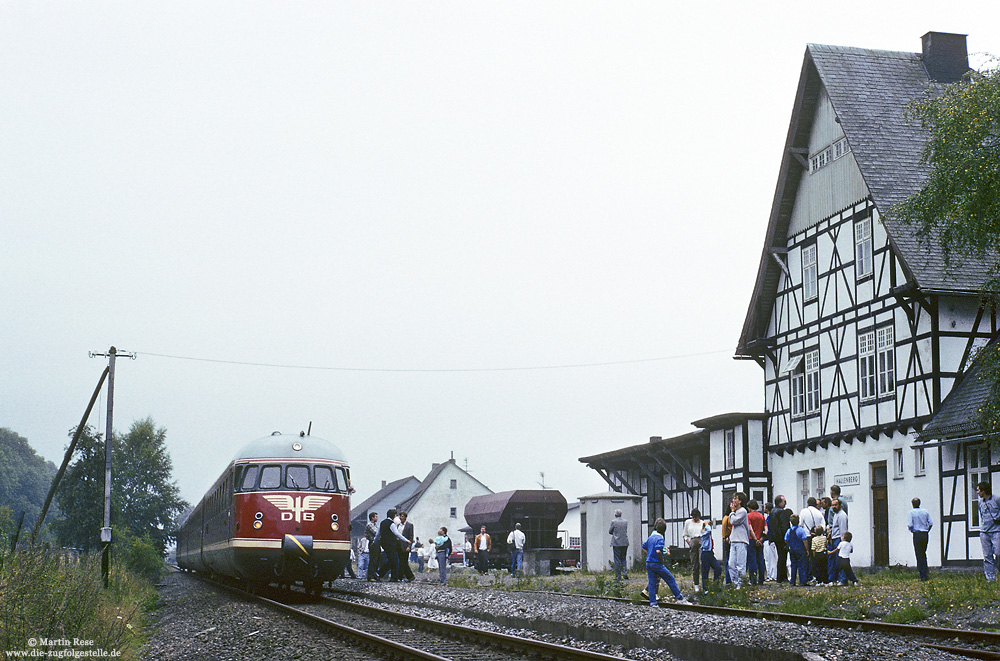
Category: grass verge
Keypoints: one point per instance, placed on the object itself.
(51, 601)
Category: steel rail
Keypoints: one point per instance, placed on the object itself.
(978, 638)
(456, 632)
(875, 626)
(525, 646)
(363, 638)
(985, 655)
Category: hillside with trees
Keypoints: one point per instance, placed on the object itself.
(24, 477)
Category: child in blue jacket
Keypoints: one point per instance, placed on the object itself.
(795, 538)
(655, 570)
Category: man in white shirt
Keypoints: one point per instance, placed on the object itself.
(515, 542)
(809, 518)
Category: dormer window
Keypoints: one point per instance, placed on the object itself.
(820, 159)
(828, 154)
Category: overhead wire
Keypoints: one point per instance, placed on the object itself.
(429, 370)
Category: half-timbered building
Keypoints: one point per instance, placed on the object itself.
(859, 327)
(965, 459)
(694, 470)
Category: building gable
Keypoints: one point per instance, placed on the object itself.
(441, 498)
(866, 92)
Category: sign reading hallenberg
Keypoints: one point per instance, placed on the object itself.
(848, 480)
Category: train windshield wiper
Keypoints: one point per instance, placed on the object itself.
(294, 483)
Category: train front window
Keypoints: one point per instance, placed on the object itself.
(325, 480)
(249, 478)
(270, 477)
(297, 477)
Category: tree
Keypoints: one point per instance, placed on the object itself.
(147, 501)
(81, 494)
(959, 204)
(144, 500)
(24, 476)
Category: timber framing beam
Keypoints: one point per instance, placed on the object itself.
(689, 470)
(678, 477)
(607, 474)
(653, 480)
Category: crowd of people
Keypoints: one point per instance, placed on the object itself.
(388, 547)
(812, 547)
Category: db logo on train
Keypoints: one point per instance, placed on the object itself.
(302, 507)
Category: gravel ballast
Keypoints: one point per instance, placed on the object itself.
(198, 621)
(636, 628)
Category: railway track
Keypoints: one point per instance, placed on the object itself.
(400, 636)
(961, 642)
(979, 644)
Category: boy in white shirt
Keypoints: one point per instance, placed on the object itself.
(843, 551)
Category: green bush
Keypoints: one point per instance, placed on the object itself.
(137, 555)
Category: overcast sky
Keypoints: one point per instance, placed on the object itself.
(371, 213)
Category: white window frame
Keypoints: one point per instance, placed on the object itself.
(812, 387)
(797, 385)
(810, 272)
(841, 148)
(729, 448)
(897, 464)
(919, 462)
(867, 373)
(804, 486)
(828, 154)
(864, 261)
(978, 468)
(886, 349)
(819, 482)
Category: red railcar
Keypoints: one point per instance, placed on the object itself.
(279, 513)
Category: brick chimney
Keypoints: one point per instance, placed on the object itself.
(945, 55)
(383, 484)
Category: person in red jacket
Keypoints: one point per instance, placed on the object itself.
(755, 553)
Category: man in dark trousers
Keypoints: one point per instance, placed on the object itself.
(404, 548)
(483, 545)
(919, 523)
(388, 539)
(777, 526)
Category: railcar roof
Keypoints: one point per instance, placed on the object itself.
(280, 446)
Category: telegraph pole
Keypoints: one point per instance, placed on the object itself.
(108, 441)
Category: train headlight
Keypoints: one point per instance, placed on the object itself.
(334, 526)
(257, 525)
(258, 516)
(334, 517)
